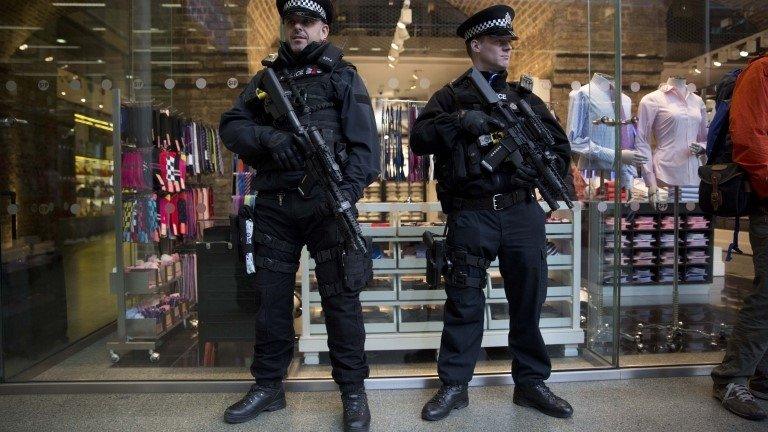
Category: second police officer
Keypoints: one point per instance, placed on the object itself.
(326, 92)
(489, 215)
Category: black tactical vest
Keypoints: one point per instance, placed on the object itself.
(460, 171)
(311, 92)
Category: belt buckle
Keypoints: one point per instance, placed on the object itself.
(495, 205)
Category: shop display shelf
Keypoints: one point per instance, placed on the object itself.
(418, 231)
(408, 320)
(422, 293)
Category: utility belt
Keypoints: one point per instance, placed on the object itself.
(495, 202)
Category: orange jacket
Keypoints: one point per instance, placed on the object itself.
(749, 123)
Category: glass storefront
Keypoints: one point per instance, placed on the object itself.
(111, 165)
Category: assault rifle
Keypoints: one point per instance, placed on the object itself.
(321, 166)
(524, 142)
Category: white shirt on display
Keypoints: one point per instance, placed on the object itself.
(669, 120)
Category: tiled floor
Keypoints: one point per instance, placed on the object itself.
(672, 404)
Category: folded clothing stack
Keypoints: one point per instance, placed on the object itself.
(697, 257)
(668, 240)
(696, 240)
(608, 277)
(644, 258)
(610, 222)
(696, 274)
(645, 223)
(642, 276)
(609, 259)
(644, 240)
(610, 241)
(666, 274)
(668, 223)
(697, 222)
(668, 258)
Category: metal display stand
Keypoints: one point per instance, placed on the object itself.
(136, 334)
(399, 292)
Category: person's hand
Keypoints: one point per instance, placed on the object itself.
(653, 195)
(282, 146)
(696, 149)
(478, 123)
(632, 157)
(324, 209)
(526, 175)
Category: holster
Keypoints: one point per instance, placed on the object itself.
(437, 262)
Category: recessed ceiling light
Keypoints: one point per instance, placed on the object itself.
(717, 63)
(744, 53)
(401, 24)
(23, 47)
(394, 46)
(61, 41)
(82, 99)
(63, 93)
(49, 59)
(697, 70)
(101, 106)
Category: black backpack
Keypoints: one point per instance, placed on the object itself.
(724, 190)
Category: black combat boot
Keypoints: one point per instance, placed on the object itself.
(259, 398)
(540, 397)
(357, 415)
(447, 399)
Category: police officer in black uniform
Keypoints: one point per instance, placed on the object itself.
(489, 215)
(326, 92)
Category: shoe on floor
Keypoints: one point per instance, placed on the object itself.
(357, 414)
(540, 397)
(257, 400)
(737, 399)
(759, 388)
(447, 399)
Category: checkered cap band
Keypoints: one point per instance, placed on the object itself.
(305, 4)
(500, 23)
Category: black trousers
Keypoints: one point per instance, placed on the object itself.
(289, 219)
(517, 235)
(747, 354)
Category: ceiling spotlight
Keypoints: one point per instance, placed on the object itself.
(391, 66)
(61, 41)
(391, 58)
(82, 100)
(697, 71)
(63, 93)
(402, 33)
(49, 59)
(401, 25)
(413, 87)
(23, 47)
(393, 45)
(717, 63)
(744, 53)
(415, 76)
(101, 106)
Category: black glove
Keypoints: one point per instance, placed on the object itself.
(282, 146)
(324, 209)
(478, 123)
(526, 175)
